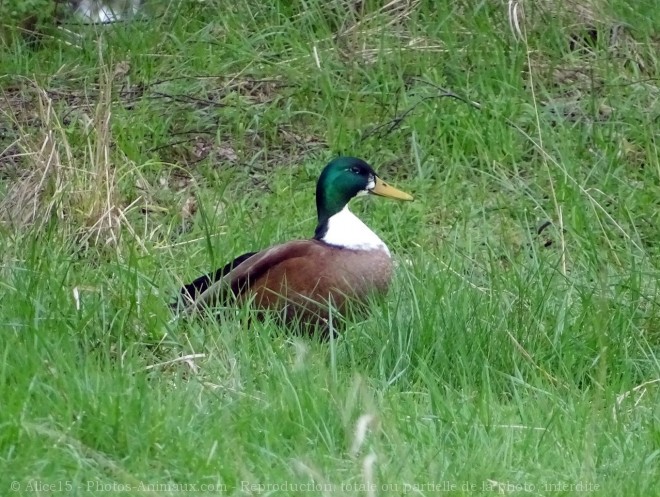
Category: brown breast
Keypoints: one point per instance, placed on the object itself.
(301, 279)
(302, 285)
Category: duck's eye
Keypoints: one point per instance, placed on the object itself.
(355, 170)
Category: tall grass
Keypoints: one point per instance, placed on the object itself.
(517, 351)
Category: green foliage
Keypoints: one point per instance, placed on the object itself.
(27, 14)
(518, 350)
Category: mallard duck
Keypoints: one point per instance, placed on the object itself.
(344, 263)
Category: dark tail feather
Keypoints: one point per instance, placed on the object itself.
(191, 291)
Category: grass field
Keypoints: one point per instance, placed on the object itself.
(518, 352)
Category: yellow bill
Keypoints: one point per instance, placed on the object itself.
(385, 190)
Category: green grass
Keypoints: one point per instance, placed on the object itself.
(502, 361)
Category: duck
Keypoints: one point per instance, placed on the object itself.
(308, 282)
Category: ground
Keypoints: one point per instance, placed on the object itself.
(517, 352)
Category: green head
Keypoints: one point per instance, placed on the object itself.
(341, 180)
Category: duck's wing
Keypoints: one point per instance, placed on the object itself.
(190, 292)
(272, 261)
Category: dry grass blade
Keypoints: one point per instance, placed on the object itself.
(79, 190)
(358, 37)
(100, 203)
(397, 10)
(320, 482)
(187, 359)
(368, 469)
(571, 14)
(362, 425)
(639, 391)
(37, 193)
(515, 14)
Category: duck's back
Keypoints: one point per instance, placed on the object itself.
(315, 274)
